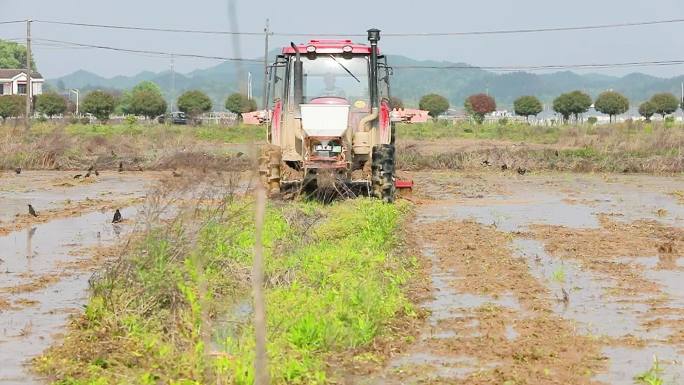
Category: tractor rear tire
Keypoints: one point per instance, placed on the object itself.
(382, 172)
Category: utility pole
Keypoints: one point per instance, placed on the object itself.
(173, 84)
(28, 74)
(264, 97)
(249, 85)
(237, 50)
(76, 91)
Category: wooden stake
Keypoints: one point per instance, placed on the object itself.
(261, 359)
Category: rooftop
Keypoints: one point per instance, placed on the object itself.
(9, 73)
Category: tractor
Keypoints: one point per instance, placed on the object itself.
(330, 126)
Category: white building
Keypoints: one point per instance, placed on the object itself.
(13, 82)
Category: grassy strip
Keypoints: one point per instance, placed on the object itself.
(580, 160)
(467, 130)
(635, 147)
(49, 146)
(641, 133)
(334, 289)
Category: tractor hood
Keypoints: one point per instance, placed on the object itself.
(325, 119)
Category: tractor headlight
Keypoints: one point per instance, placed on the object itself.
(347, 49)
(311, 49)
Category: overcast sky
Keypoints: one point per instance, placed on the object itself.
(662, 42)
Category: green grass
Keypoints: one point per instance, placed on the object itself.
(559, 275)
(344, 292)
(239, 134)
(211, 133)
(333, 290)
(653, 376)
(48, 145)
(625, 147)
(466, 130)
(523, 132)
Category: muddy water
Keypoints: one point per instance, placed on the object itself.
(45, 268)
(42, 289)
(52, 189)
(563, 200)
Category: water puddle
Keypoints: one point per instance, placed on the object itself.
(514, 214)
(39, 280)
(439, 367)
(583, 296)
(628, 363)
(228, 324)
(421, 364)
(668, 271)
(598, 314)
(448, 303)
(571, 202)
(588, 304)
(44, 192)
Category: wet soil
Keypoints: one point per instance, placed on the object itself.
(547, 279)
(46, 261)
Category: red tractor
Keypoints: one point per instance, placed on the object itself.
(330, 119)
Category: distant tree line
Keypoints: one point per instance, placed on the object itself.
(571, 105)
(145, 99)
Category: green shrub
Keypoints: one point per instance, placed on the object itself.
(669, 121)
(130, 120)
(99, 103)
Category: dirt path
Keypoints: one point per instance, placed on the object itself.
(548, 279)
(45, 262)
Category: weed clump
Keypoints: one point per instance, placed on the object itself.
(75, 146)
(625, 148)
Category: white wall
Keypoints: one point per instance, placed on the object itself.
(13, 88)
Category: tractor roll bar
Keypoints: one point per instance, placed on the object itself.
(374, 38)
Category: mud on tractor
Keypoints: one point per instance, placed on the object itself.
(330, 125)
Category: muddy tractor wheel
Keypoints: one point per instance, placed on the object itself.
(270, 157)
(382, 172)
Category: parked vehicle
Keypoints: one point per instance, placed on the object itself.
(173, 118)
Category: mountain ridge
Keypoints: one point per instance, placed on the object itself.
(409, 84)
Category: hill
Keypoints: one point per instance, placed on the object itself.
(408, 84)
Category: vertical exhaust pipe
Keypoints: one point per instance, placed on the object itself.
(298, 79)
(374, 38)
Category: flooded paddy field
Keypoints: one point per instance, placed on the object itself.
(535, 279)
(548, 279)
(46, 261)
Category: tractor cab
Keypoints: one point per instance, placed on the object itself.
(330, 116)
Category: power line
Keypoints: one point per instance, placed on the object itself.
(547, 67)
(12, 21)
(506, 68)
(160, 53)
(549, 29)
(386, 34)
(151, 29)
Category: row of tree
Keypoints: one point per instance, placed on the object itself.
(477, 106)
(145, 99)
(569, 105)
